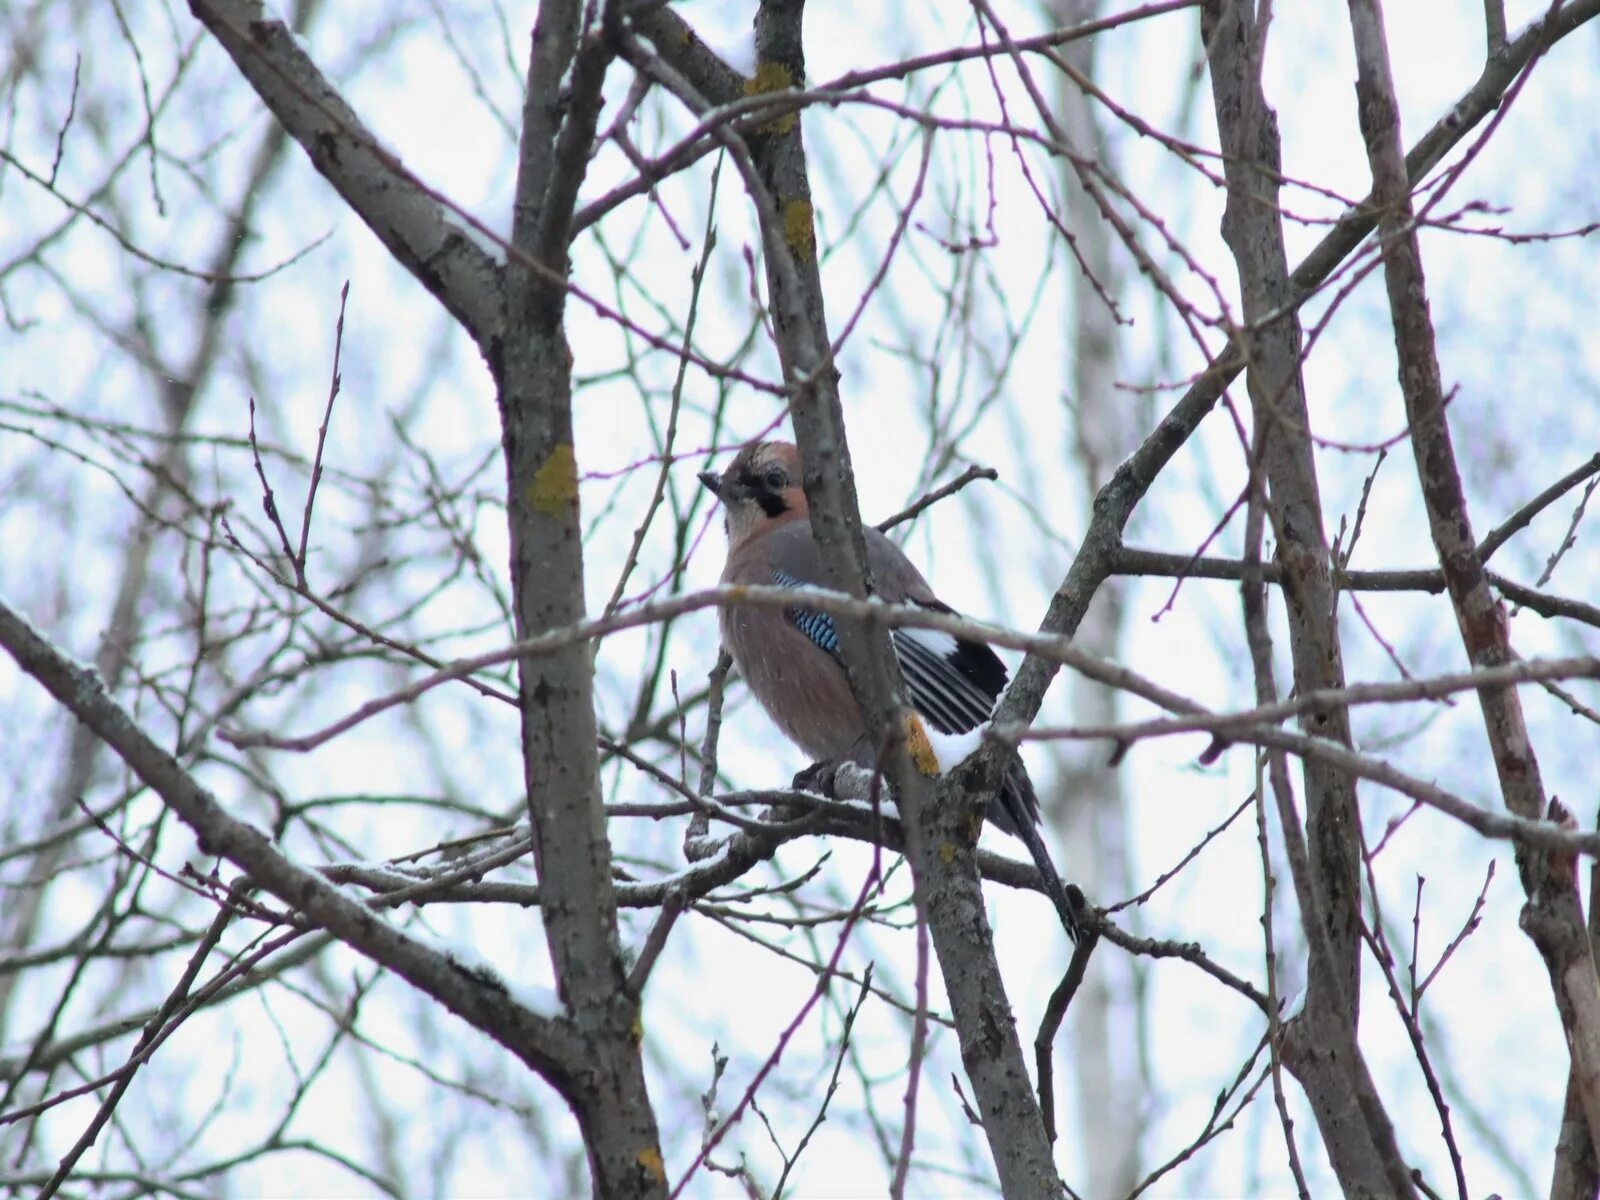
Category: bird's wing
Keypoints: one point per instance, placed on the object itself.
(951, 681)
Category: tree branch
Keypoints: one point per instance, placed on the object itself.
(543, 1042)
(532, 366)
(1115, 502)
(1321, 1045)
(415, 226)
(947, 887)
(1553, 917)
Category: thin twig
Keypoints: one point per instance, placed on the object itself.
(269, 503)
(1474, 918)
(322, 439)
(1569, 540)
(696, 278)
(784, 1038)
(697, 842)
(154, 1032)
(672, 906)
(950, 489)
(833, 1081)
(919, 1047)
(1189, 856)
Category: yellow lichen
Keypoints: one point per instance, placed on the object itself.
(947, 853)
(555, 484)
(650, 1159)
(772, 77)
(769, 77)
(920, 748)
(798, 232)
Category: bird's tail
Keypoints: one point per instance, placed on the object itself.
(1016, 810)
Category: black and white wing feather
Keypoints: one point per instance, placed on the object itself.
(952, 682)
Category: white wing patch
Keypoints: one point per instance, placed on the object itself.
(937, 641)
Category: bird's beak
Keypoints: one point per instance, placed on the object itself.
(712, 482)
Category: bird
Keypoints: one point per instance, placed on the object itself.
(789, 657)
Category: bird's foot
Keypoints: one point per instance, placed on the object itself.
(840, 780)
(818, 778)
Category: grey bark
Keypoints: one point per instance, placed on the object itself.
(1320, 1045)
(1114, 503)
(532, 368)
(531, 364)
(940, 824)
(313, 902)
(413, 222)
(1577, 1167)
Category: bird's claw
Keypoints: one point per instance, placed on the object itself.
(818, 779)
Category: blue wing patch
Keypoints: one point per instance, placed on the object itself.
(815, 625)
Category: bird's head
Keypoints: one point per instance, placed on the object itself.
(761, 486)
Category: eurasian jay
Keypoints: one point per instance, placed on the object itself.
(790, 657)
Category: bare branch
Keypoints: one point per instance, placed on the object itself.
(1554, 917)
(416, 228)
(542, 1042)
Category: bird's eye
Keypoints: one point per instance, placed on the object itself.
(775, 479)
